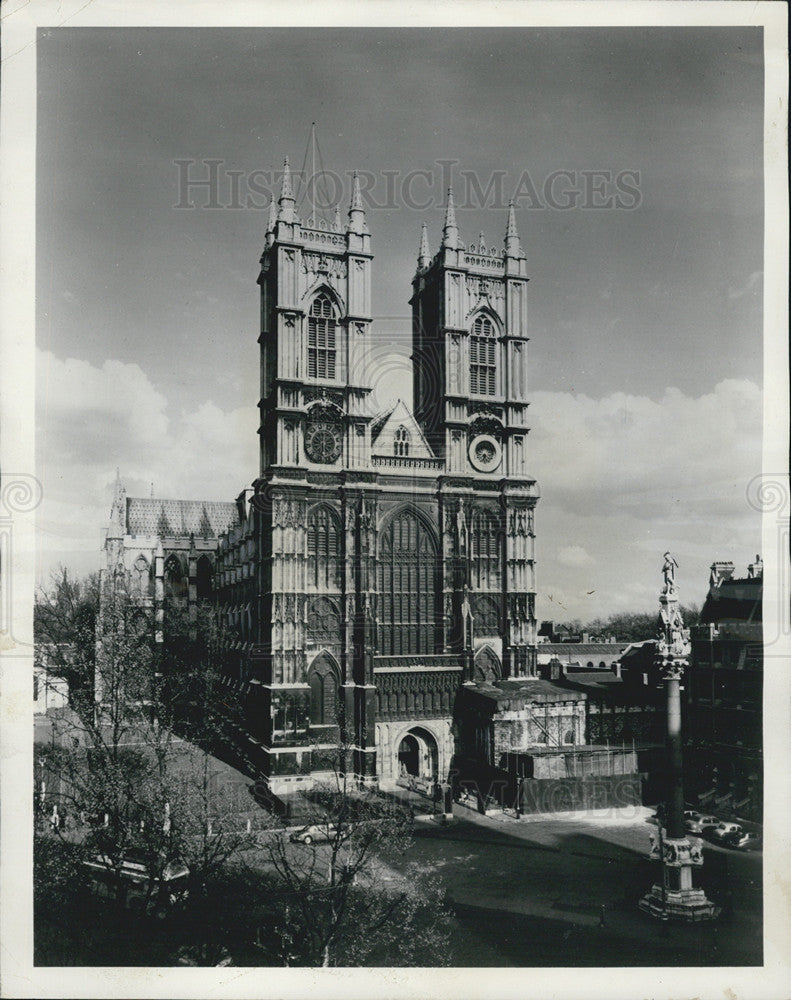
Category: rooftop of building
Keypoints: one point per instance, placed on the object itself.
(593, 678)
(523, 689)
(734, 599)
(580, 648)
(155, 516)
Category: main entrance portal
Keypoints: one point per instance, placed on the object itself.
(418, 755)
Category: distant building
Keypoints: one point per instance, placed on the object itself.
(583, 655)
(724, 694)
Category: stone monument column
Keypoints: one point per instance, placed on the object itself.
(676, 898)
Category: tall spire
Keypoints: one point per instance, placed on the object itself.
(356, 210)
(270, 226)
(286, 202)
(450, 231)
(424, 254)
(513, 248)
(118, 511)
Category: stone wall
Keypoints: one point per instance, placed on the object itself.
(546, 724)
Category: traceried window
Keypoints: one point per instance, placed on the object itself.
(487, 615)
(401, 441)
(407, 587)
(324, 683)
(486, 544)
(483, 358)
(324, 622)
(321, 339)
(324, 540)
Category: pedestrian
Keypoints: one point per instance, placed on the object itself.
(602, 915)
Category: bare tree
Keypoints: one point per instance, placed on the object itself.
(335, 897)
(130, 757)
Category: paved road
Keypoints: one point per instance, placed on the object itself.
(530, 892)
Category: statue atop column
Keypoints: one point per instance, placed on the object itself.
(676, 895)
(673, 647)
(669, 573)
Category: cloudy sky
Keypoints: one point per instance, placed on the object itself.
(646, 318)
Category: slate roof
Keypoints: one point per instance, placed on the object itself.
(203, 518)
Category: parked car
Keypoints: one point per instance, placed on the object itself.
(749, 842)
(140, 888)
(316, 832)
(699, 823)
(727, 833)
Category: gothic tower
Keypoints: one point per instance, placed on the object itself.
(469, 313)
(315, 339)
(311, 667)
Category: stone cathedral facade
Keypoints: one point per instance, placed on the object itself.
(379, 572)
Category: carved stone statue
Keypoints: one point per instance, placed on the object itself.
(669, 573)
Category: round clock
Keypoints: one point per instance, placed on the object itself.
(322, 442)
(485, 453)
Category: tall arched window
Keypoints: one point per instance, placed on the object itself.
(175, 580)
(324, 685)
(483, 358)
(401, 441)
(487, 666)
(205, 577)
(486, 546)
(324, 548)
(321, 338)
(407, 587)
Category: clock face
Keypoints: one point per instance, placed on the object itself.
(485, 454)
(322, 442)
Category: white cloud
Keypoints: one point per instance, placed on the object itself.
(92, 420)
(574, 555)
(623, 478)
(622, 449)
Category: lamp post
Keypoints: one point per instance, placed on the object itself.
(676, 898)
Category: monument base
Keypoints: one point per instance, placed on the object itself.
(683, 905)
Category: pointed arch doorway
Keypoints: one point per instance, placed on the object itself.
(418, 755)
